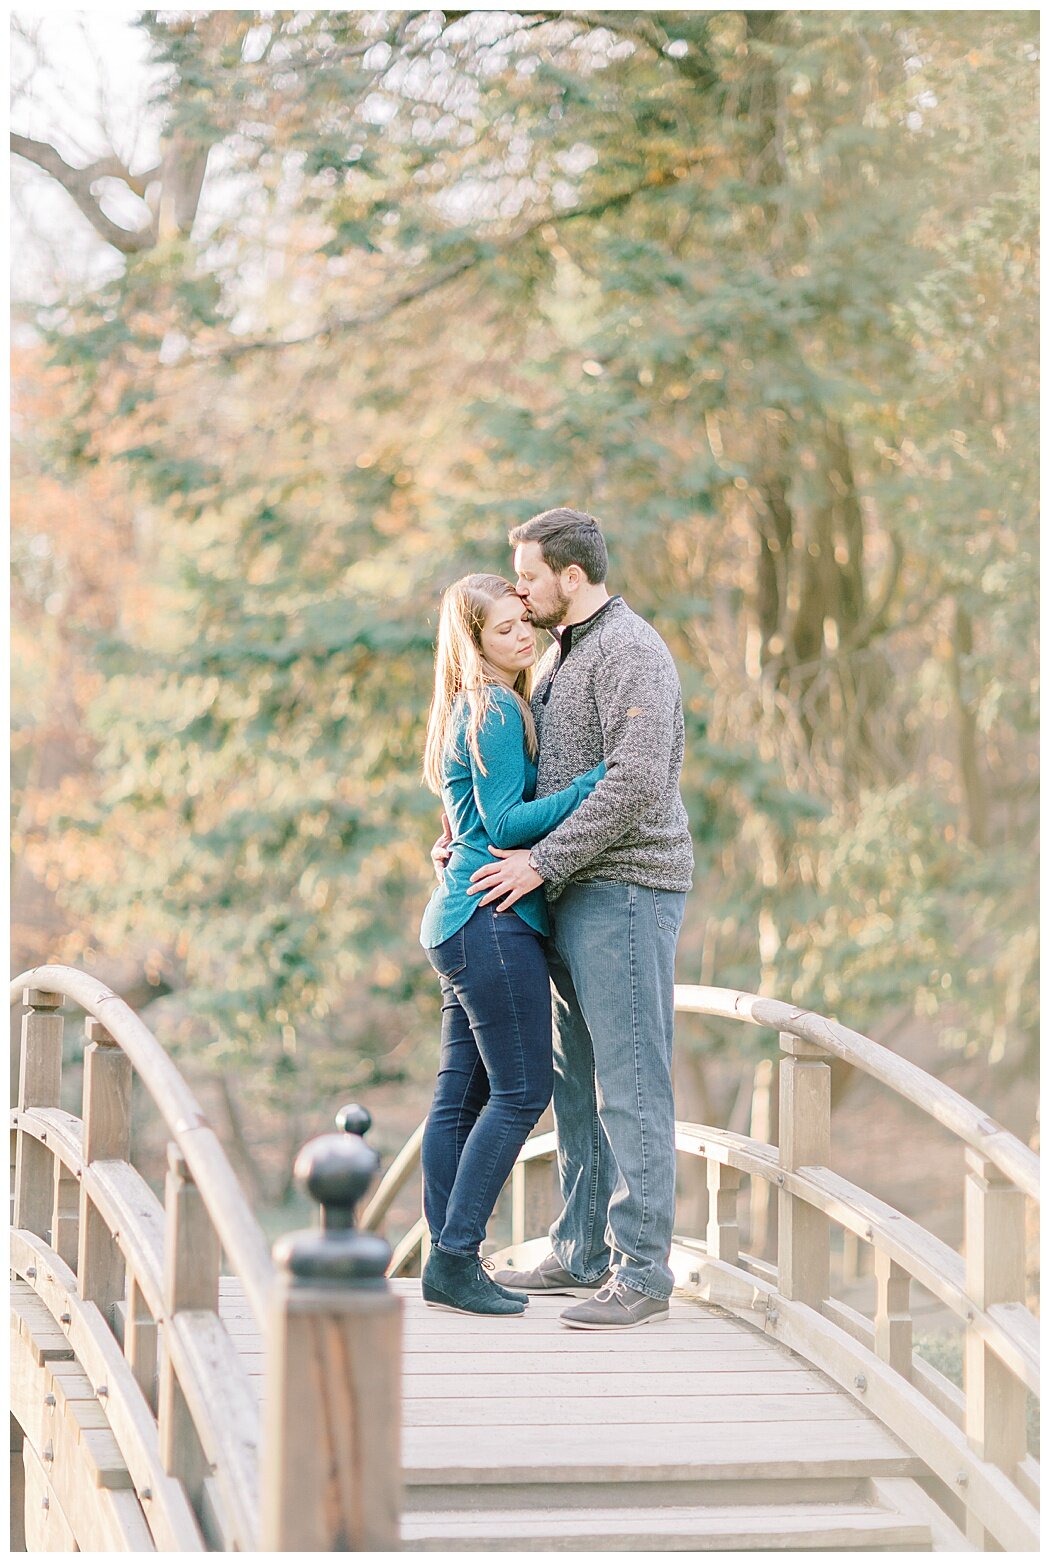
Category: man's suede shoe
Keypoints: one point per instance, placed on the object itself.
(616, 1306)
(548, 1278)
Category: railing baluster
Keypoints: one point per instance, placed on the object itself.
(994, 1244)
(192, 1256)
(723, 1230)
(140, 1344)
(893, 1329)
(65, 1215)
(107, 1137)
(803, 1233)
(39, 1084)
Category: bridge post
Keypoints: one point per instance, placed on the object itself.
(803, 1233)
(39, 1084)
(107, 1137)
(331, 1462)
(994, 1252)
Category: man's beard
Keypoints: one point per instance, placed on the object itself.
(554, 615)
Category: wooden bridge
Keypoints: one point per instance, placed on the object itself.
(175, 1386)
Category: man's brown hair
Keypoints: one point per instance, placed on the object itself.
(567, 537)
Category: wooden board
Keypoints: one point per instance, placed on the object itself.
(630, 1356)
(637, 1411)
(436, 1325)
(554, 1453)
(796, 1528)
(575, 1343)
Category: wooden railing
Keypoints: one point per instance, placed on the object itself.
(973, 1442)
(135, 1287)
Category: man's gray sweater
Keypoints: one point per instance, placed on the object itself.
(614, 696)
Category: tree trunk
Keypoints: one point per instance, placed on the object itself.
(974, 823)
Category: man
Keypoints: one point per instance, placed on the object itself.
(616, 874)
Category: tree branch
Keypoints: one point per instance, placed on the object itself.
(78, 181)
(481, 252)
(648, 32)
(112, 168)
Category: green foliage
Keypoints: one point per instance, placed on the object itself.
(766, 306)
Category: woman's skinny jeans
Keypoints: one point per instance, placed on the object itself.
(495, 1076)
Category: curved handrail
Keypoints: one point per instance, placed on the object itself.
(1014, 1159)
(928, 1260)
(906, 1079)
(231, 1214)
(990, 1495)
(397, 1174)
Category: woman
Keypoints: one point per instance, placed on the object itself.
(495, 1075)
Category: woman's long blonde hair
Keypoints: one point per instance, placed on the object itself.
(461, 667)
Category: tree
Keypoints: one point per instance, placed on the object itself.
(704, 273)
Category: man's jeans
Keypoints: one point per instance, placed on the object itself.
(494, 1078)
(611, 958)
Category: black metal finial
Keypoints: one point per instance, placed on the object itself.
(335, 1170)
(353, 1119)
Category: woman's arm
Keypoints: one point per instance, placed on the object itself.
(510, 821)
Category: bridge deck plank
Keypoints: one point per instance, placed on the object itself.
(701, 1390)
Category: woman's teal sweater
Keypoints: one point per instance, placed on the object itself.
(494, 809)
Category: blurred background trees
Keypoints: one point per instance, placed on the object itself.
(758, 289)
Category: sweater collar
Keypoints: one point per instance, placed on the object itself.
(568, 634)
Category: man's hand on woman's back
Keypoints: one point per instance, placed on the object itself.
(441, 851)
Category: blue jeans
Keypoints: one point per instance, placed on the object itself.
(611, 958)
(495, 1074)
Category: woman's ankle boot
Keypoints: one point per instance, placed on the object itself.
(455, 1283)
(487, 1266)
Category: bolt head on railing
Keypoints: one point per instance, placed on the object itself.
(335, 1170)
(353, 1119)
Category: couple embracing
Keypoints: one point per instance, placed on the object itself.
(563, 877)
